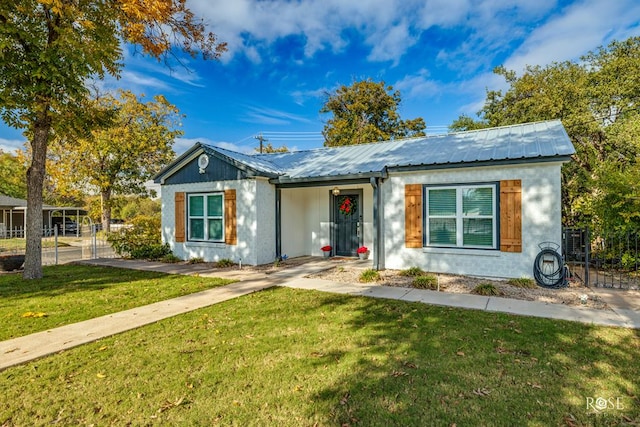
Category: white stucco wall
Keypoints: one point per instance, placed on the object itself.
(541, 221)
(255, 216)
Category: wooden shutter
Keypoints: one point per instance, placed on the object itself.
(230, 226)
(179, 218)
(413, 215)
(511, 215)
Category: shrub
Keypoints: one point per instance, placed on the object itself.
(141, 239)
(523, 282)
(196, 260)
(224, 263)
(412, 272)
(369, 275)
(170, 259)
(428, 281)
(487, 289)
(152, 251)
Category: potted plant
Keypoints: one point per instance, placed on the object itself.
(363, 252)
(326, 251)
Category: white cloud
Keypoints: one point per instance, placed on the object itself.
(390, 45)
(418, 86)
(391, 27)
(183, 144)
(577, 30)
(270, 116)
(11, 145)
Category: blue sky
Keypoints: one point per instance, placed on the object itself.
(284, 56)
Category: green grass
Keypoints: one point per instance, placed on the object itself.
(301, 358)
(487, 289)
(523, 282)
(71, 293)
(224, 263)
(369, 275)
(412, 272)
(426, 281)
(15, 244)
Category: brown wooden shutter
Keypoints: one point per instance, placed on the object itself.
(180, 217)
(413, 215)
(230, 226)
(511, 215)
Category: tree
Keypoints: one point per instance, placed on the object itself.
(119, 156)
(48, 51)
(12, 176)
(597, 101)
(366, 112)
(271, 149)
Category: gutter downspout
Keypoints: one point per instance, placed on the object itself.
(278, 224)
(376, 223)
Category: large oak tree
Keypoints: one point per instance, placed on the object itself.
(364, 112)
(597, 100)
(131, 143)
(48, 51)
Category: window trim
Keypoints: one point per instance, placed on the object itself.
(460, 217)
(205, 217)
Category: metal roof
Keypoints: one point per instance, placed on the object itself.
(530, 142)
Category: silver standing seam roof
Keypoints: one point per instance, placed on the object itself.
(530, 142)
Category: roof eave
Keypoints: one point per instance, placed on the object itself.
(252, 172)
(504, 162)
(287, 182)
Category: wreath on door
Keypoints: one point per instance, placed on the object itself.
(348, 205)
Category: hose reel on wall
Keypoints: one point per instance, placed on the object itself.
(549, 269)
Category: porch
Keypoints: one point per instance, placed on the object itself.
(311, 217)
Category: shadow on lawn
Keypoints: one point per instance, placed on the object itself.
(437, 365)
(64, 279)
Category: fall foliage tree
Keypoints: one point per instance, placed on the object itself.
(48, 51)
(597, 101)
(12, 175)
(364, 112)
(268, 148)
(120, 154)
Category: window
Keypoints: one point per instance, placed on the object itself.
(461, 216)
(206, 217)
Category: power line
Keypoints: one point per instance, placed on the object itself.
(261, 139)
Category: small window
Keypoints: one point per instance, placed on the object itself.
(206, 217)
(461, 216)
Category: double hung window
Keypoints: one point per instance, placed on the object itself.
(461, 216)
(206, 217)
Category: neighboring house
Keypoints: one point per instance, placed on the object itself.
(13, 217)
(475, 203)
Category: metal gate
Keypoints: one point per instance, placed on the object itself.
(607, 259)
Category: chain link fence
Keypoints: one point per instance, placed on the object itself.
(60, 248)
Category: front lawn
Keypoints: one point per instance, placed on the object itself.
(72, 293)
(290, 357)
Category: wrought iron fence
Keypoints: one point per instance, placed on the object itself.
(608, 259)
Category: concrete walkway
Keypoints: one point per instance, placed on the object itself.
(30, 347)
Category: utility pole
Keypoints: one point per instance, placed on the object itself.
(261, 139)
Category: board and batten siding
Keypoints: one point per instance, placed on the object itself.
(529, 214)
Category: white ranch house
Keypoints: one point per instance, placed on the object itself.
(474, 203)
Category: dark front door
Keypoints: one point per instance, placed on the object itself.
(347, 214)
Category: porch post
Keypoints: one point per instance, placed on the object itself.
(376, 224)
(278, 224)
